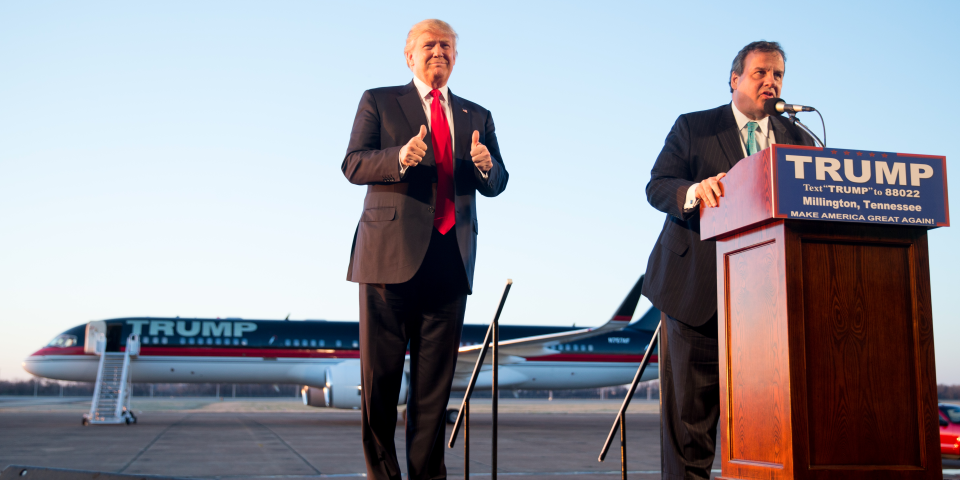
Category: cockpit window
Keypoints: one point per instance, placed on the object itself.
(951, 411)
(63, 341)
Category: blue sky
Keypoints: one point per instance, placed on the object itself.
(182, 158)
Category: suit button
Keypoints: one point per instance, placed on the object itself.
(430, 209)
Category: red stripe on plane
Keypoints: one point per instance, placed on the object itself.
(591, 357)
(177, 351)
(248, 352)
(59, 351)
(622, 318)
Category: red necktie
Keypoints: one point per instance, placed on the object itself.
(445, 215)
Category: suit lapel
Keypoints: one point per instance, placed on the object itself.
(727, 134)
(412, 108)
(461, 129)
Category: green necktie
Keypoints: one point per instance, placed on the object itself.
(752, 145)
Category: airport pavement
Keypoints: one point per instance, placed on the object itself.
(252, 439)
(272, 439)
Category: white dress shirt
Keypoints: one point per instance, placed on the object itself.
(763, 134)
(426, 100)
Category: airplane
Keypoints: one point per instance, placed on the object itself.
(324, 356)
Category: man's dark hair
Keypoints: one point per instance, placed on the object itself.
(760, 46)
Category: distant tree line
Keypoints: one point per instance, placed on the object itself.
(948, 392)
(50, 388)
(53, 388)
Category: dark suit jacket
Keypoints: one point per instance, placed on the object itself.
(681, 278)
(394, 231)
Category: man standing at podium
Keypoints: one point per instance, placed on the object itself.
(681, 277)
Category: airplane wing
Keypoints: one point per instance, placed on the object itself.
(515, 350)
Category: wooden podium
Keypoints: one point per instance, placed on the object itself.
(825, 325)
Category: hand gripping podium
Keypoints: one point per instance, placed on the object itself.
(825, 325)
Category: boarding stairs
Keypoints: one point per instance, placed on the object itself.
(111, 395)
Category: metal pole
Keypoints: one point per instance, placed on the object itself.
(623, 447)
(496, 393)
(466, 440)
(630, 392)
(478, 366)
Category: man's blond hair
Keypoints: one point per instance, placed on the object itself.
(432, 25)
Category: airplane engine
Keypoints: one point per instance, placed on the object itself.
(312, 396)
(343, 387)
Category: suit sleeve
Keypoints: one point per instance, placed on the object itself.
(366, 163)
(496, 181)
(672, 174)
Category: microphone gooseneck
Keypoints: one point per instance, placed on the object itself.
(776, 106)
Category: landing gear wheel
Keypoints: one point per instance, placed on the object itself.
(452, 415)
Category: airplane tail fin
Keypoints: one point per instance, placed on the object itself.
(647, 322)
(629, 305)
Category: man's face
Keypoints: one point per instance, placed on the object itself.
(432, 58)
(762, 78)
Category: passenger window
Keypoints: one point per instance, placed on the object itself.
(321, 343)
(313, 343)
(286, 343)
(339, 343)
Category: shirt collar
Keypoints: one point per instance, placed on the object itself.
(742, 119)
(424, 90)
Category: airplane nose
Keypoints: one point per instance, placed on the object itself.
(33, 363)
(30, 365)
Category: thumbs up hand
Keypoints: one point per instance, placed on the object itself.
(480, 154)
(412, 153)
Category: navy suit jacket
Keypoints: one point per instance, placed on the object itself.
(395, 226)
(681, 277)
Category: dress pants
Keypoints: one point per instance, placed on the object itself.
(689, 398)
(424, 315)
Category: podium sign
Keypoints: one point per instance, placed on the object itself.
(826, 360)
(860, 186)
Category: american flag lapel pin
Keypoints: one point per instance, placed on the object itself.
(464, 110)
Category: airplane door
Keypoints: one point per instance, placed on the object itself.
(114, 340)
(90, 338)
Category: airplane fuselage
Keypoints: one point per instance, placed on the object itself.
(176, 350)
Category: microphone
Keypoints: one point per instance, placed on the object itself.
(776, 106)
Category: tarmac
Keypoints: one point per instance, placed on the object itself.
(252, 439)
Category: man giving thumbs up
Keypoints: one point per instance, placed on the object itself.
(423, 154)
